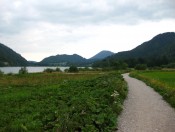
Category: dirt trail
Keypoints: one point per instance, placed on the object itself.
(145, 110)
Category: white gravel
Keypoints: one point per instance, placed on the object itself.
(145, 110)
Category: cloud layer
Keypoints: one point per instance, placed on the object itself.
(42, 27)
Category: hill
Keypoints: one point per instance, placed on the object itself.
(63, 60)
(68, 60)
(160, 45)
(8, 57)
(158, 51)
(101, 55)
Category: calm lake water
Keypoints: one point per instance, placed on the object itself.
(15, 70)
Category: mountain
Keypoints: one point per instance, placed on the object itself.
(63, 60)
(8, 57)
(101, 55)
(32, 63)
(160, 45)
(158, 51)
(67, 60)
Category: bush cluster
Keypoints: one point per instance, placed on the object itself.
(141, 67)
(23, 70)
(50, 70)
(73, 69)
(1, 73)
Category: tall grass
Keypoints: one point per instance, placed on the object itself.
(162, 81)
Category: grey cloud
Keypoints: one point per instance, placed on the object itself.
(79, 12)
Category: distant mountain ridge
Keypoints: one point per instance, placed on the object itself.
(101, 55)
(8, 57)
(67, 60)
(63, 60)
(162, 44)
(158, 51)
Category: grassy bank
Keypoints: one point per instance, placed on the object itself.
(162, 81)
(61, 102)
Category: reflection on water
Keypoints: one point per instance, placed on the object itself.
(15, 70)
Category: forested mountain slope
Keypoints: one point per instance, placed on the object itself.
(8, 57)
(158, 51)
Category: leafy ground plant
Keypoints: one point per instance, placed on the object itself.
(61, 102)
(162, 81)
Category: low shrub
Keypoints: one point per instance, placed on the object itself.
(141, 67)
(48, 70)
(10, 74)
(58, 69)
(73, 69)
(1, 73)
(23, 70)
(171, 65)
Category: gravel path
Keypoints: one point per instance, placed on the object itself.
(145, 110)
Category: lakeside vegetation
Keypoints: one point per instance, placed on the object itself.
(162, 81)
(84, 101)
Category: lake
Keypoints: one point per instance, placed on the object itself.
(30, 69)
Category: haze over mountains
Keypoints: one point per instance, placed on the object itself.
(160, 50)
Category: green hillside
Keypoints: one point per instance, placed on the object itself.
(101, 55)
(158, 51)
(160, 45)
(8, 57)
(64, 60)
(68, 60)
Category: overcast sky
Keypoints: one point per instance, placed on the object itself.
(40, 28)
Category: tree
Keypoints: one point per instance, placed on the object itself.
(73, 69)
(23, 70)
(58, 69)
(141, 67)
(48, 70)
(1, 73)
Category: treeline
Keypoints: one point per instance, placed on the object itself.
(157, 52)
(153, 62)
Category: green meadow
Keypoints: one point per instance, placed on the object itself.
(162, 81)
(61, 101)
